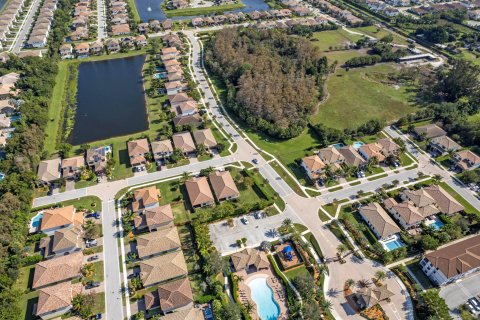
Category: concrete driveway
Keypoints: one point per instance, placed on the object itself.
(456, 294)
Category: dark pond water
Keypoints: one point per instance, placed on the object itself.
(2, 3)
(151, 9)
(110, 100)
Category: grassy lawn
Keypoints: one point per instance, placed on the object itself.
(311, 238)
(380, 33)
(300, 227)
(84, 203)
(288, 179)
(27, 298)
(333, 39)
(203, 10)
(85, 183)
(474, 118)
(97, 273)
(366, 98)
(347, 213)
(99, 306)
(188, 248)
(291, 274)
(323, 216)
(133, 7)
(414, 267)
(378, 177)
(342, 56)
(468, 207)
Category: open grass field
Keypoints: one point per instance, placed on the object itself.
(354, 98)
(332, 39)
(342, 56)
(27, 298)
(379, 33)
(203, 10)
(84, 203)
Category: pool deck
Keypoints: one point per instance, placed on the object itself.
(274, 283)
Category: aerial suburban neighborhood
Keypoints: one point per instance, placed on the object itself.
(240, 159)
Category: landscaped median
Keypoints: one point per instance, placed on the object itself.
(203, 10)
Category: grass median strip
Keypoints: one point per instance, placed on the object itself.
(378, 177)
(203, 10)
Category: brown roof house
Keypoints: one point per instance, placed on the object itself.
(162, 149)
(145, 198)
(223, 185)
(368, 297)
(249, 258)
(56, 300)
(185, 314)
(428, 131)
(205, 137)
(170, 296)
(49, 170)
(163, 268)
(313, 166)
(331, 156)
(155, 218)
(137, 151)
(371, 150)
(466, 160)
(72, 167)
(199, 192)
(351, 156)
(444, 201)
(184, 142)
(158, 242)
(63, 241)
(97, 159)
(55, 219)
(378, 220)
(453, 262)
(443, 145)
(57, 270)
(407, 213)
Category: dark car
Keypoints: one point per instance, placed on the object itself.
(133, 275)
(92, 258)
(92, 285)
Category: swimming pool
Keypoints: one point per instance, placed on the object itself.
(159, 76)
(35, 222)
(15, 118)
(437, 225)
(393, 244)
(338, 145)
(358, 144)
(262, 294)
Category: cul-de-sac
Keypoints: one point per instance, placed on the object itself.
(240, 159)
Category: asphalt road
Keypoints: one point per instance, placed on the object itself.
(101, 20)
(25, 27)
(456, 294)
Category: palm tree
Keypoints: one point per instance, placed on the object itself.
(380, 275)
(287, 222)
(341, 249)
(249, 307)
(185, 176)
(326, 304)
(89, 228)
(350, 283)
(363, 283)
(88, 270)
(237, 278)
(437, 178)
(322, 269)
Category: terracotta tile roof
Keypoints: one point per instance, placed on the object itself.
(223, 185)
(371, 296)
(162, 268)
(330, 155)
(156, 242)
(248, 257)
(175, 294)
(313, 163)
(199, 191)
(75, 162)
(138, 147)
(57, 297)
(173, 62)
(170, 50)
(420, 198)
(379, 219)
(187, 106)
(194, 119)
(49, 170)
(429, 131)
(160, 215)
(163, 146)
(179, 97)
(66, 238)
(467, 159)
(446, 143)
(183, 141)
(372, 150)
(82, 46)
(388, 146)
(185, 314)
(145, 197)
(58, 269)
(205, 137)
(457, 258)
(352, 158)
(444, 201)
(408, 212)
(58, 217)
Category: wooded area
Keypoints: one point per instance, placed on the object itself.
(274, 80)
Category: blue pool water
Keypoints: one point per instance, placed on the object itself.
(262, 294)
(159, 76)
(2, 176)
(338, 145)
(394, 244)
(36, 220)
(15, 118)
(358, 144)
(160, 69)
(437, 225)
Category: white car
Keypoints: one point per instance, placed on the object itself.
(244, 220)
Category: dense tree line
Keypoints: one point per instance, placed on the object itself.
(23, 153)
(273, 80)
(379, 52)
(363, 61)
(60, 26)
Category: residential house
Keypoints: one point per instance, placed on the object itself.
(120, 29)
(466, 160)
(162, 268)
(351, 156)
(175, 87)
(154, 25)
(184, 142)
(162, 149)
(72, 167)
(434, 196)
(249, 259)
(175, 76)
(5, 122)
(138, 150)
(453, 262)
(8, 108)
(371, 296)
(170, 296)
(96, 47)
(7, 85)
(179, 99)
(223, 185)
(141, 41)
(196, 22)
(313, 166)
(331, 156)
(205, 137)
(428, 131)
(64, 241)
(157, 242)
(80, 33)
(411, 214)
(388, 147)
(199, 192)
(49, 170)
(194, 119)
(444, 201)
(187, 313)
(167, 24)
(57, 270)
(120, 18)
(186, 108)
(143, 27)
(66, 50)
(63, 217)
(378, 220)
(443, 144)
(145, 198)
(155, 218)
(56, 300)
(97, 159)
(371, 150)
(82, 49)
(112, 45)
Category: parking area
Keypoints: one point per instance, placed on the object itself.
(456, 294)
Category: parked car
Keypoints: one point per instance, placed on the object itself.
(92, 285)
(255, 161)
(244, 220)
(98, 316)
(92, 258)
(90, 243)
(133, 275)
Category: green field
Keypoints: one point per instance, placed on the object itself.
(380, 33)
(203, 10)
(355, 97)
(333, 39)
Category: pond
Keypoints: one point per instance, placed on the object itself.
(151, 9)
(110, 100)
